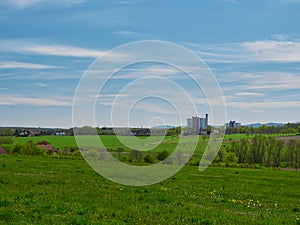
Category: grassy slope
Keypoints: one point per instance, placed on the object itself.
(45, 190)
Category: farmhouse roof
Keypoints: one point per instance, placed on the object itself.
(3, 151)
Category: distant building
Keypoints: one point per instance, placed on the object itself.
(233, 124)
(190, 122)
(60, 133)
(198, 125)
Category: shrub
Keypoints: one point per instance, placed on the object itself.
(149, 158)
(93, 154)
(194, 161)
(6, 140)
(136, 155)
(30, 148)
(231, 157)
(163, 155)
(17, 148)
(77, 153)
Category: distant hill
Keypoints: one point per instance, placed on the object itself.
(267, 124)
(163, 127)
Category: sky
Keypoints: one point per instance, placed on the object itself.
(252, 48)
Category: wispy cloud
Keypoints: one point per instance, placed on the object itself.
(135, 35)
(22, 65)
(264, 105)
(31, 47)
(231, 1)
(4, 88)
(279, 51)
(23, 4)
(42, 84)
(17, 100)
(254, 84)
(248, 94)
(286, 2)
(128, 2)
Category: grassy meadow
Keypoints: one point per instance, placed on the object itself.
(47, 190)
(58, 190)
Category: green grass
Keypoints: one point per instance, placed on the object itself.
(46, 190)
(69, 141)
(57, 141)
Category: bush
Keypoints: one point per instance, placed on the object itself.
(16, 148)
(136, 155)
(194, 161)
(149, 158)
(28, 148)
(93, 154)
(231, 157)
(163, 155)
(77, 153)
(6, 140)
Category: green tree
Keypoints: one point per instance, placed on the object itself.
(136, 155)
(293, 149)
(149, 158)
(120, 150)
(162, 155)
(278, 147)
(242, 150)
(257, 150)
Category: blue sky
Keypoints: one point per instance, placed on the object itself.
(253, 48)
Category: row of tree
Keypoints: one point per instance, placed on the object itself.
(265, 151)
(289, 128)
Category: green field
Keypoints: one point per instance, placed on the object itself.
(69, 141)
(112, 141)
(46, 190)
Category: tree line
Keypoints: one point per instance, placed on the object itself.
(287, 129)
(262, 150)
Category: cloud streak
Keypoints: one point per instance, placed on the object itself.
(17, 100)
(22, 65)
(278, 51)
(23, 4)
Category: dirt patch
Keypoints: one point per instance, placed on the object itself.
(290, 169)
(288, 138)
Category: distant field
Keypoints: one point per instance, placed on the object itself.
(109, 141)
(56, 141)
(46, 190)
(69, 141)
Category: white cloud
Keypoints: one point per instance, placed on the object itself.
(248, 94)
(23, 4)
(231, 1)
(41, 85)
(30, 47)
(278, 51)
(265, 105)
(17, 100)
(22, 65)
(135, 35)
